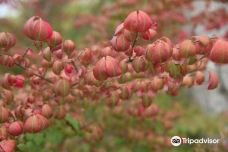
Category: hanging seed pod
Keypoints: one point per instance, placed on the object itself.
(7, 145)
(32, 124)
(46, 111)
(68, 46)
(47, 54)
(15, 128)
(62, 87)
(57, 67)
(4, 114)
(37, 29)
(3, 133)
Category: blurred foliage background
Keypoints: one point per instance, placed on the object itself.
(91, 22)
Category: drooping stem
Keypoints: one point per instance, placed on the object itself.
(40, 76)
(132, 46)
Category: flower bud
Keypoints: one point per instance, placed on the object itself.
(68, 46)
(219, 52)
(138, 21)
(7, 145)
(120, 43)
(7, 40)
(37, 29)
(158, 52)
(213, 80)
(4, 114)
(62, 87)
(46, 111)
(15, 128)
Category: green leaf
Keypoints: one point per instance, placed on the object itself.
(74, 123)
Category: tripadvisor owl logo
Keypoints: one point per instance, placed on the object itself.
(176, 141)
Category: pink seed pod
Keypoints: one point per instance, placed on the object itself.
(68, 46)
(58, 54)
(139, 64)
(7, 96)
(156, 84)
(37, 29)
(99, 70)
(108, 51)
(62, 87)
(139, 50)
(219, 52)
(138, 21)
(46, 111)
(106, 67)
(57, 67)
(124, 65)
(4, 114)
(129, 36)
(176, 54)
(19, 82)
(202, 39)
(86, 56)
(35, 123)
(68, 69)
(90, 79)
(112, 66)
(15, 128)
(55, 41)
(187, 49)
(7, 60)
(7, 145)
(119, 29)
(44, 123)
(148, 35)
(7, 41)
(213, 80)
(120, 43)
(3, 132)
(199, 77)
(158, 52)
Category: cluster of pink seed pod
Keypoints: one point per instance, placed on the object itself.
(114, 71)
